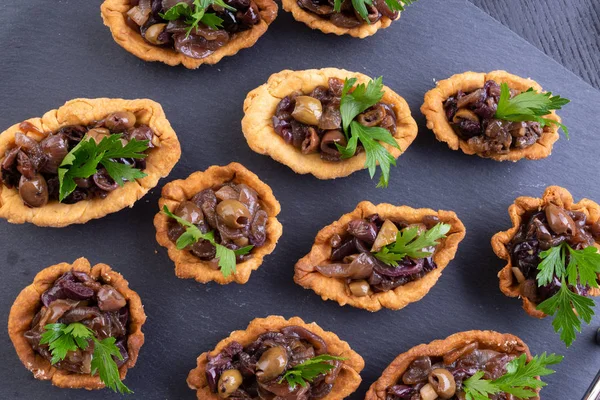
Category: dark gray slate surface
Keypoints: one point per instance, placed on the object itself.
(55, 52)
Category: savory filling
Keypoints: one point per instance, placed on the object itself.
(431, 378)
(313, 122)
(274, 367)
(42, 172)
(193, 28)
(378, 255)
(473, 118)
(347, 16)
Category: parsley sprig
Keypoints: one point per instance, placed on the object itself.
(410, 244)
(63, 338)
(83, 161)
(567, 307)
(192, 234)
(308, 370)
(354, 103)
(520, 379)
(361, 6)
(529, 106)
(196, 14)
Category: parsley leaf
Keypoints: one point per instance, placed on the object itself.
(361, 6)
(192, 234)
(308, 370)
(106, 367)
(529, 106)
(193, 16)
(410, 244)
(520, 379)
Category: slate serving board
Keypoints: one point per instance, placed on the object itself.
(56, 51)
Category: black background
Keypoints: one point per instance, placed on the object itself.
(55, 51)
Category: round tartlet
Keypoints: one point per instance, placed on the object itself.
(346, 383)
(160, 161)
(188, 265)
(260, 106)
(433, 109)
(553, 195)
(28, 303)
(306, 274)
(114, 15)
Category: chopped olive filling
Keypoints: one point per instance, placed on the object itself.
(77, 297)
(472, 116)
(348, 17)
(431, 378)
(232, 211)
(352, 256)
(541, 230)
(256, 372)
(313, 122)
(32, 166)
(147, 17)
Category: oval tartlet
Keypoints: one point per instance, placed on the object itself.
(346, 382)
(556, 195)
(313, 21)
(261, 104)
(160, 161)
(28, 303)
(114, 15)
(505, 343)
(175, 192)
(306, 274)
(433, 109)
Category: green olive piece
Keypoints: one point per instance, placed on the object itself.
(359, 288)
(234, 213)
(387, 235)
(271, 364)
(190, 212)
(428, 393)
(97, 134)
(443, 383)
(229, 382)
(308, 110)
(153, 32)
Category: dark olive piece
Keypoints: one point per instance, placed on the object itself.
(34, 191)
(558, 219)
(120, 121)
(190, 212)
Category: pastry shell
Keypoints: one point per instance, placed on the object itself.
(114, 15)
(28, 304)
(500, 241)
(346, 383)
(306, 274)
(314, 21)
(159, 162)
(260, 106)
(433, 109)
(506, 343)
(186, 264)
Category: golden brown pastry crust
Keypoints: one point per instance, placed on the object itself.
(492, 340)
(306, 274)
(159, 162)
(500, 241)
(326, 26)
(28, 303)
(190, 266)
(260, 106)
(433, 109)
(114, 15)
(346, 383)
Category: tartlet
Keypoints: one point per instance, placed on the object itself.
(449, 349)
(81, 115)
(307, 272)
(262, 103)
(348, 378)
(187, 265)
(529, 141)
(29, 302)
(115, 16)
(521, 212)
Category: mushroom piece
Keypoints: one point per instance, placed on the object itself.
(120, 121)
(97, 134)
(373, 116)
(229, 382)
(465, 113)
(308, 110)
(387, 235)
(427, 392)
(359, 288)
(442, 382)
(154, 32)
(109, 299)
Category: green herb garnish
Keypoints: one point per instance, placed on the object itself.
(308, 370)
(62, 338)
(410, 244)
(361, 6)
(192, 234)
(520, 379)
(195, 14)
(83, 161)
(354, 103)
(529, 106)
